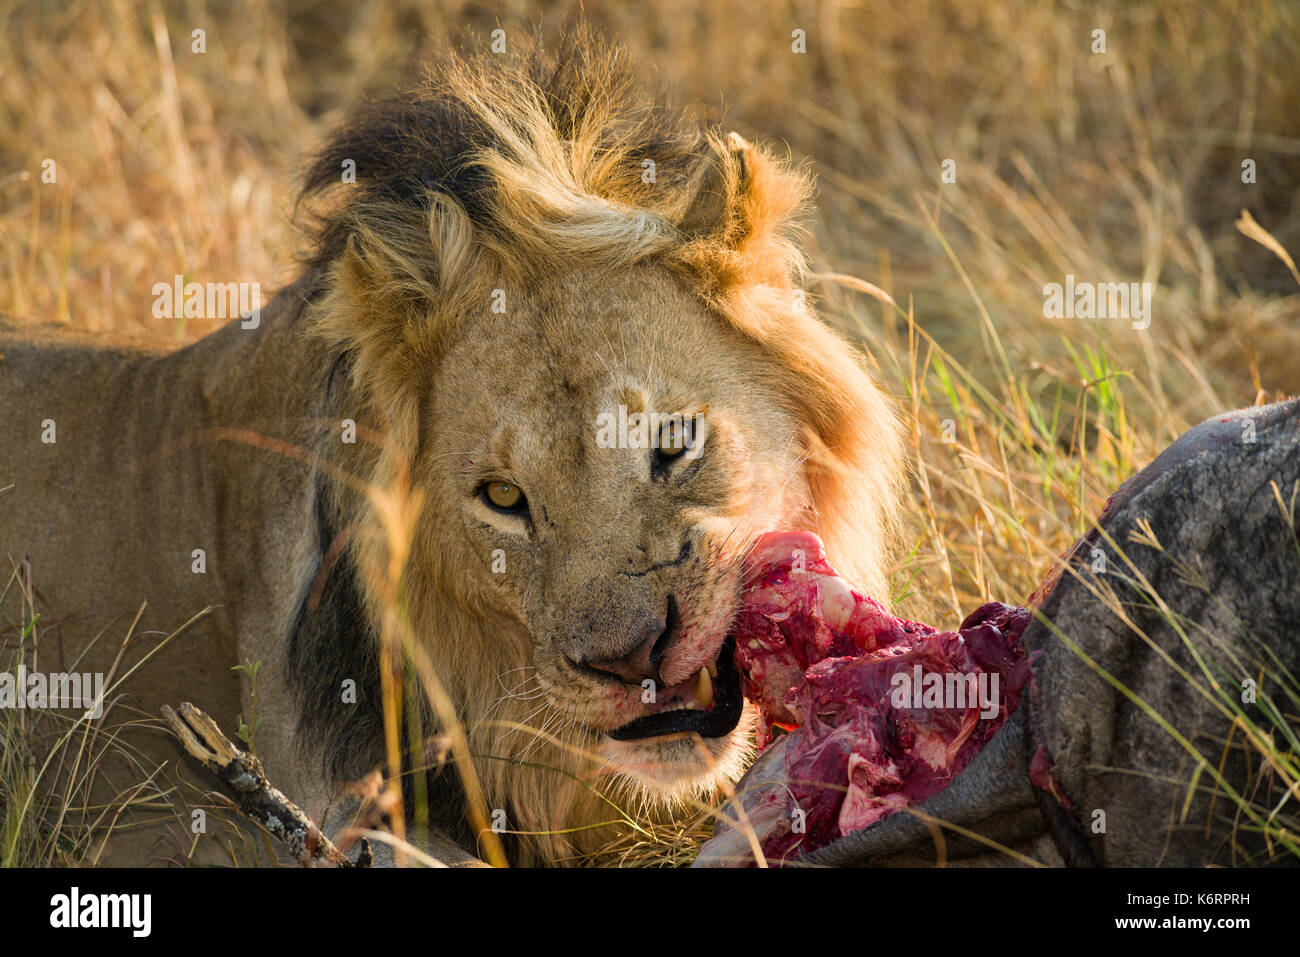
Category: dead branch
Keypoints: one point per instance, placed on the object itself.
(257, 799)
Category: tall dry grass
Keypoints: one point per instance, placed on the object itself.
(1122, 166)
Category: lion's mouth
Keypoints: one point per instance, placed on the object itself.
(719, 719)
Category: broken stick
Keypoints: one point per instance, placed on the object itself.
(257, 799)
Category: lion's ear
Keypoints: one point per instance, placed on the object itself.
(741, 217)
(745, 204)
(717, 189)
(398, 281)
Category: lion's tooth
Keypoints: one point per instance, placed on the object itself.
(712, 666)
(704, 688)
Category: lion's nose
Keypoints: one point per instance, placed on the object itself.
(649, 642)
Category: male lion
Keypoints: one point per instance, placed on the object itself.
(532, 250)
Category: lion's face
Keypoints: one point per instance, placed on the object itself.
(603, 452)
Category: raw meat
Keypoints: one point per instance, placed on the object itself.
(878, 713)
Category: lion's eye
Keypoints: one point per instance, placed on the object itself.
(504, 496)
(673, 440)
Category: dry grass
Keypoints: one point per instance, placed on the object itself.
(68, 779)
(1123, 166)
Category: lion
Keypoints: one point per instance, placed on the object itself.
(429, 456)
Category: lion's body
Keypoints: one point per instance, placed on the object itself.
(109, 515)
(616, 294)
